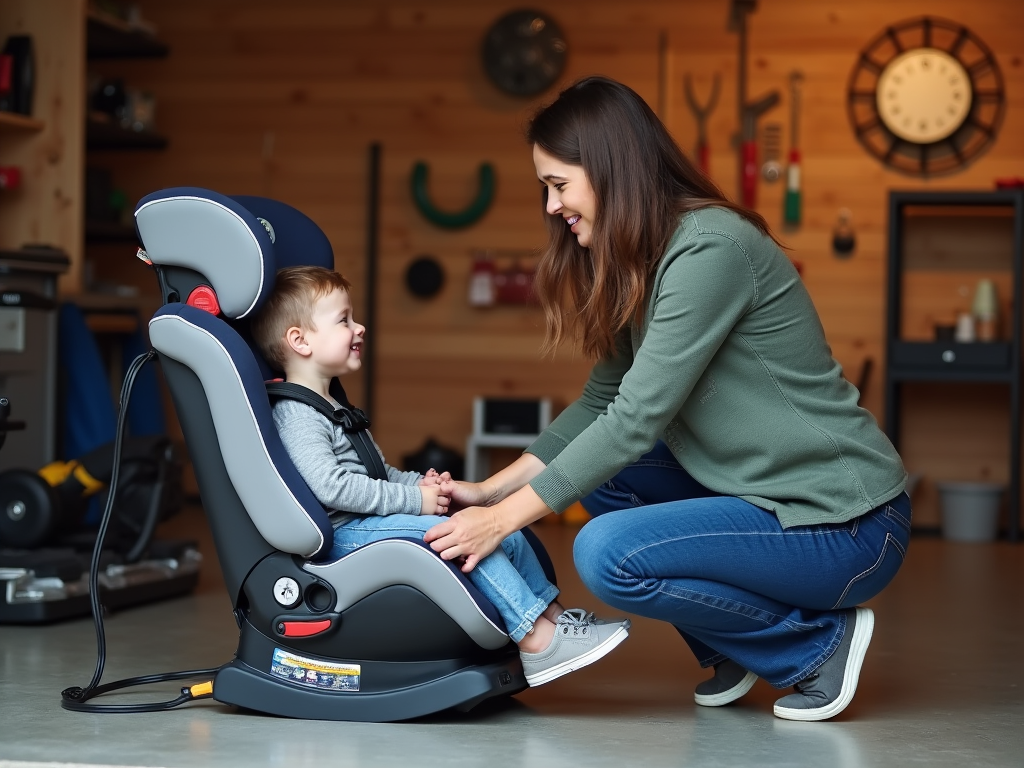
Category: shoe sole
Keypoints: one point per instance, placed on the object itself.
(579, 662)
(729, 696)
(865, 626)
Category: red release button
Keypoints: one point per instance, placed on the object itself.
(304, 628)
(204, 298)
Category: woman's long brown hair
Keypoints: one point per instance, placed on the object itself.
(642, 182)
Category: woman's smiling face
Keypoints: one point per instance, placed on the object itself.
(569, 194)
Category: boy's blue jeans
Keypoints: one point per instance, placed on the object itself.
(732, 581)
(511, 577)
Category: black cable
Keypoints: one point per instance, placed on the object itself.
(74, 698)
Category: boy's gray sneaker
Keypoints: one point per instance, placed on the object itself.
(830, 689)
(579, 640)
(729, 683)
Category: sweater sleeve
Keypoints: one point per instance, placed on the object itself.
(707, 284)
(600, 390)
(330, 466)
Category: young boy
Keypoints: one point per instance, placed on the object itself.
(307, 330)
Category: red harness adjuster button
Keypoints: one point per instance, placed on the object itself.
(303, 628)
(203, 297)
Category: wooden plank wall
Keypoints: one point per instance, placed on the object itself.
(283, 99)
(44, 209)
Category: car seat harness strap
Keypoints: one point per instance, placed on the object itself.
(352, 420)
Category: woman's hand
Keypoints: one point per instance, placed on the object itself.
(464, 494)
(471, 534)
(475, 532)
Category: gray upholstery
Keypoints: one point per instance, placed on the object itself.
(278, 516)
(394, 561)
(207, 237)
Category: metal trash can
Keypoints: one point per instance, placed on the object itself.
(970, 511)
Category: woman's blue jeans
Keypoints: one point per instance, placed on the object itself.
(732, 581)
(511, 577)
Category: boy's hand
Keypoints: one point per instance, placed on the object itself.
(434, 501)
(433, 478)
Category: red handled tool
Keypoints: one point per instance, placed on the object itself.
(701, 112)
(749, 112)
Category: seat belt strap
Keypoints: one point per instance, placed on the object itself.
(352, 420)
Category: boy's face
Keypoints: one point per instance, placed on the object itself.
(337, 342)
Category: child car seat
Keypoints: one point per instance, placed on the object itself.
(388, 632)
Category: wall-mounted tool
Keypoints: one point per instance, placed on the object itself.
(468, 215)
(844, 239)
(771, 147)
(791, 207)
(749, 112)
(701, 113)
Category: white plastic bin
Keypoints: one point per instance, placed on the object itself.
(970, 511)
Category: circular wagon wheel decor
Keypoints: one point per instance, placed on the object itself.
(926, 97)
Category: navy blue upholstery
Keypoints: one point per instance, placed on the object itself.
(298, 241)
(255, 391)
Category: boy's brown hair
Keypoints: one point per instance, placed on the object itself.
(296, 291)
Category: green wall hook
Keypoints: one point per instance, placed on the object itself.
(463, 218)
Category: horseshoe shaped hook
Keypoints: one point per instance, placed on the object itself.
(463, 218)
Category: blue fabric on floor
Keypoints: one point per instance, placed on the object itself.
(89, 412)
(88, 409)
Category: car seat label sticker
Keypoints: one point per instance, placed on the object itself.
(315, 673)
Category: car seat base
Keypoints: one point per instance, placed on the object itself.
(240, 685)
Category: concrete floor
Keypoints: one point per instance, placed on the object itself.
(943, 685)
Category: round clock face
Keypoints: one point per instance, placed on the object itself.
(524, 53)
(924, 95)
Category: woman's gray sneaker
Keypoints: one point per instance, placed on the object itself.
(729, 683)
(579, 640)
(830, 689)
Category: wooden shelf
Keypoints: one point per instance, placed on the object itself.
(108, 37)
(11, 121)
(958, 211)
(99, 135)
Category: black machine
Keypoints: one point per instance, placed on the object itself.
(45, 549)
(388, 632)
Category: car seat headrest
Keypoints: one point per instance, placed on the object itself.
(297, 239)
(213, 235)
(235, 243)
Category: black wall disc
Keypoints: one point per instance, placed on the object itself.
(424, 277)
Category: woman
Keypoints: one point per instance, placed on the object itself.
(739, 492)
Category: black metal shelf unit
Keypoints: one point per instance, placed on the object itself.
(938, 361)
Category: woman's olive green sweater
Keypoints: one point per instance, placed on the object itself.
(731, 369)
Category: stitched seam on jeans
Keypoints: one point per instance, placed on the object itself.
(893, 514)
(863, 574)
(831, 532)
(900, 547)
(713, 660)
(689, 595)
(855, 528)
(822, 658)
